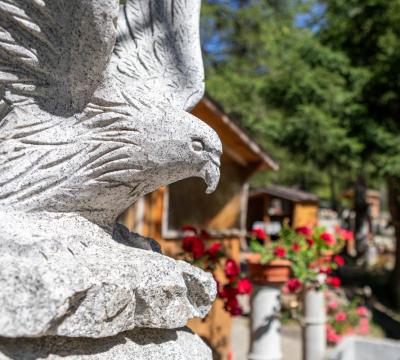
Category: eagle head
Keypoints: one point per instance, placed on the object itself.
(183, 146)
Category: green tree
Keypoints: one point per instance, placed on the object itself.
(368, 32)
(294, 93)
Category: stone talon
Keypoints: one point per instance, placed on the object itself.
(122, 234)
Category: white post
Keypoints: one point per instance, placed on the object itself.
(314, 332)
(266, 342)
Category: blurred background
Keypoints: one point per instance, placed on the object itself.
(305, 98)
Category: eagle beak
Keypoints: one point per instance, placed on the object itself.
(211, 174)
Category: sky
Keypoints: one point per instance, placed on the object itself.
(302, 20)
(215, 45)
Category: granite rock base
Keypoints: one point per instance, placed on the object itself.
(140, 344)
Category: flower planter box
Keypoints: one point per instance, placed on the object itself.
(275, 272)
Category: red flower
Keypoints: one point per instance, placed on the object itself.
(198, 248)
(296, 247)
(259, 233)
(346, 235)
(236, 311)
(244, 286)
(332, 305)
(310, 242)
(221, 292)
(213, 250)
(231, 268)
(279, 251)
(194, 245)
(341, 316)
(227, 292)
(293, 285)
(232, 305)
(304, 230)
(333, 281)
(338, 260)
(363, 326)
(331, 335)
(232, 301)
(187, 243)
(328, 238)
(362, 311)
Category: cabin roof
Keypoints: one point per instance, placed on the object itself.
(287, 193)
(236, 142)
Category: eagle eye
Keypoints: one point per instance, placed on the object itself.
(197, 145)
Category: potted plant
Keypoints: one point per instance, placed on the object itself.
(345, 318)
(268, 268)
(268, 262)
(304, 259)
(313, 262)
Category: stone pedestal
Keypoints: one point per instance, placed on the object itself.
(266, 341)
(143, 344)
(65, 295)
(314, 331)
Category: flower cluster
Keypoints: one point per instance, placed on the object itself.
(236, 285)
(210, 259)
(313, 256)
(311, 252)
(345, 319)
(194, 245)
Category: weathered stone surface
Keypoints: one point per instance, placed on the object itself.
(54, 281)
(143, 344)
(86, 128)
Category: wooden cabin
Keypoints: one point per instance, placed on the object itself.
(269, 207)
(161, 214)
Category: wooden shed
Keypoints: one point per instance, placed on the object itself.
(161, 214)
(271, 206)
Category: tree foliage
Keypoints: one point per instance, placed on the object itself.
(368, 32)
(297, 95)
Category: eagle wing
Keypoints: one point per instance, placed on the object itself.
(54, 51)
(158, 53)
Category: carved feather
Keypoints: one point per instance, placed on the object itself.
(158, 47)
(81, 134)
(55, 51)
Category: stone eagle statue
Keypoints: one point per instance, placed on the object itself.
(93, 115)
(88, 130)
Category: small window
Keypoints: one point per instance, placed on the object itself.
(220, 213)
